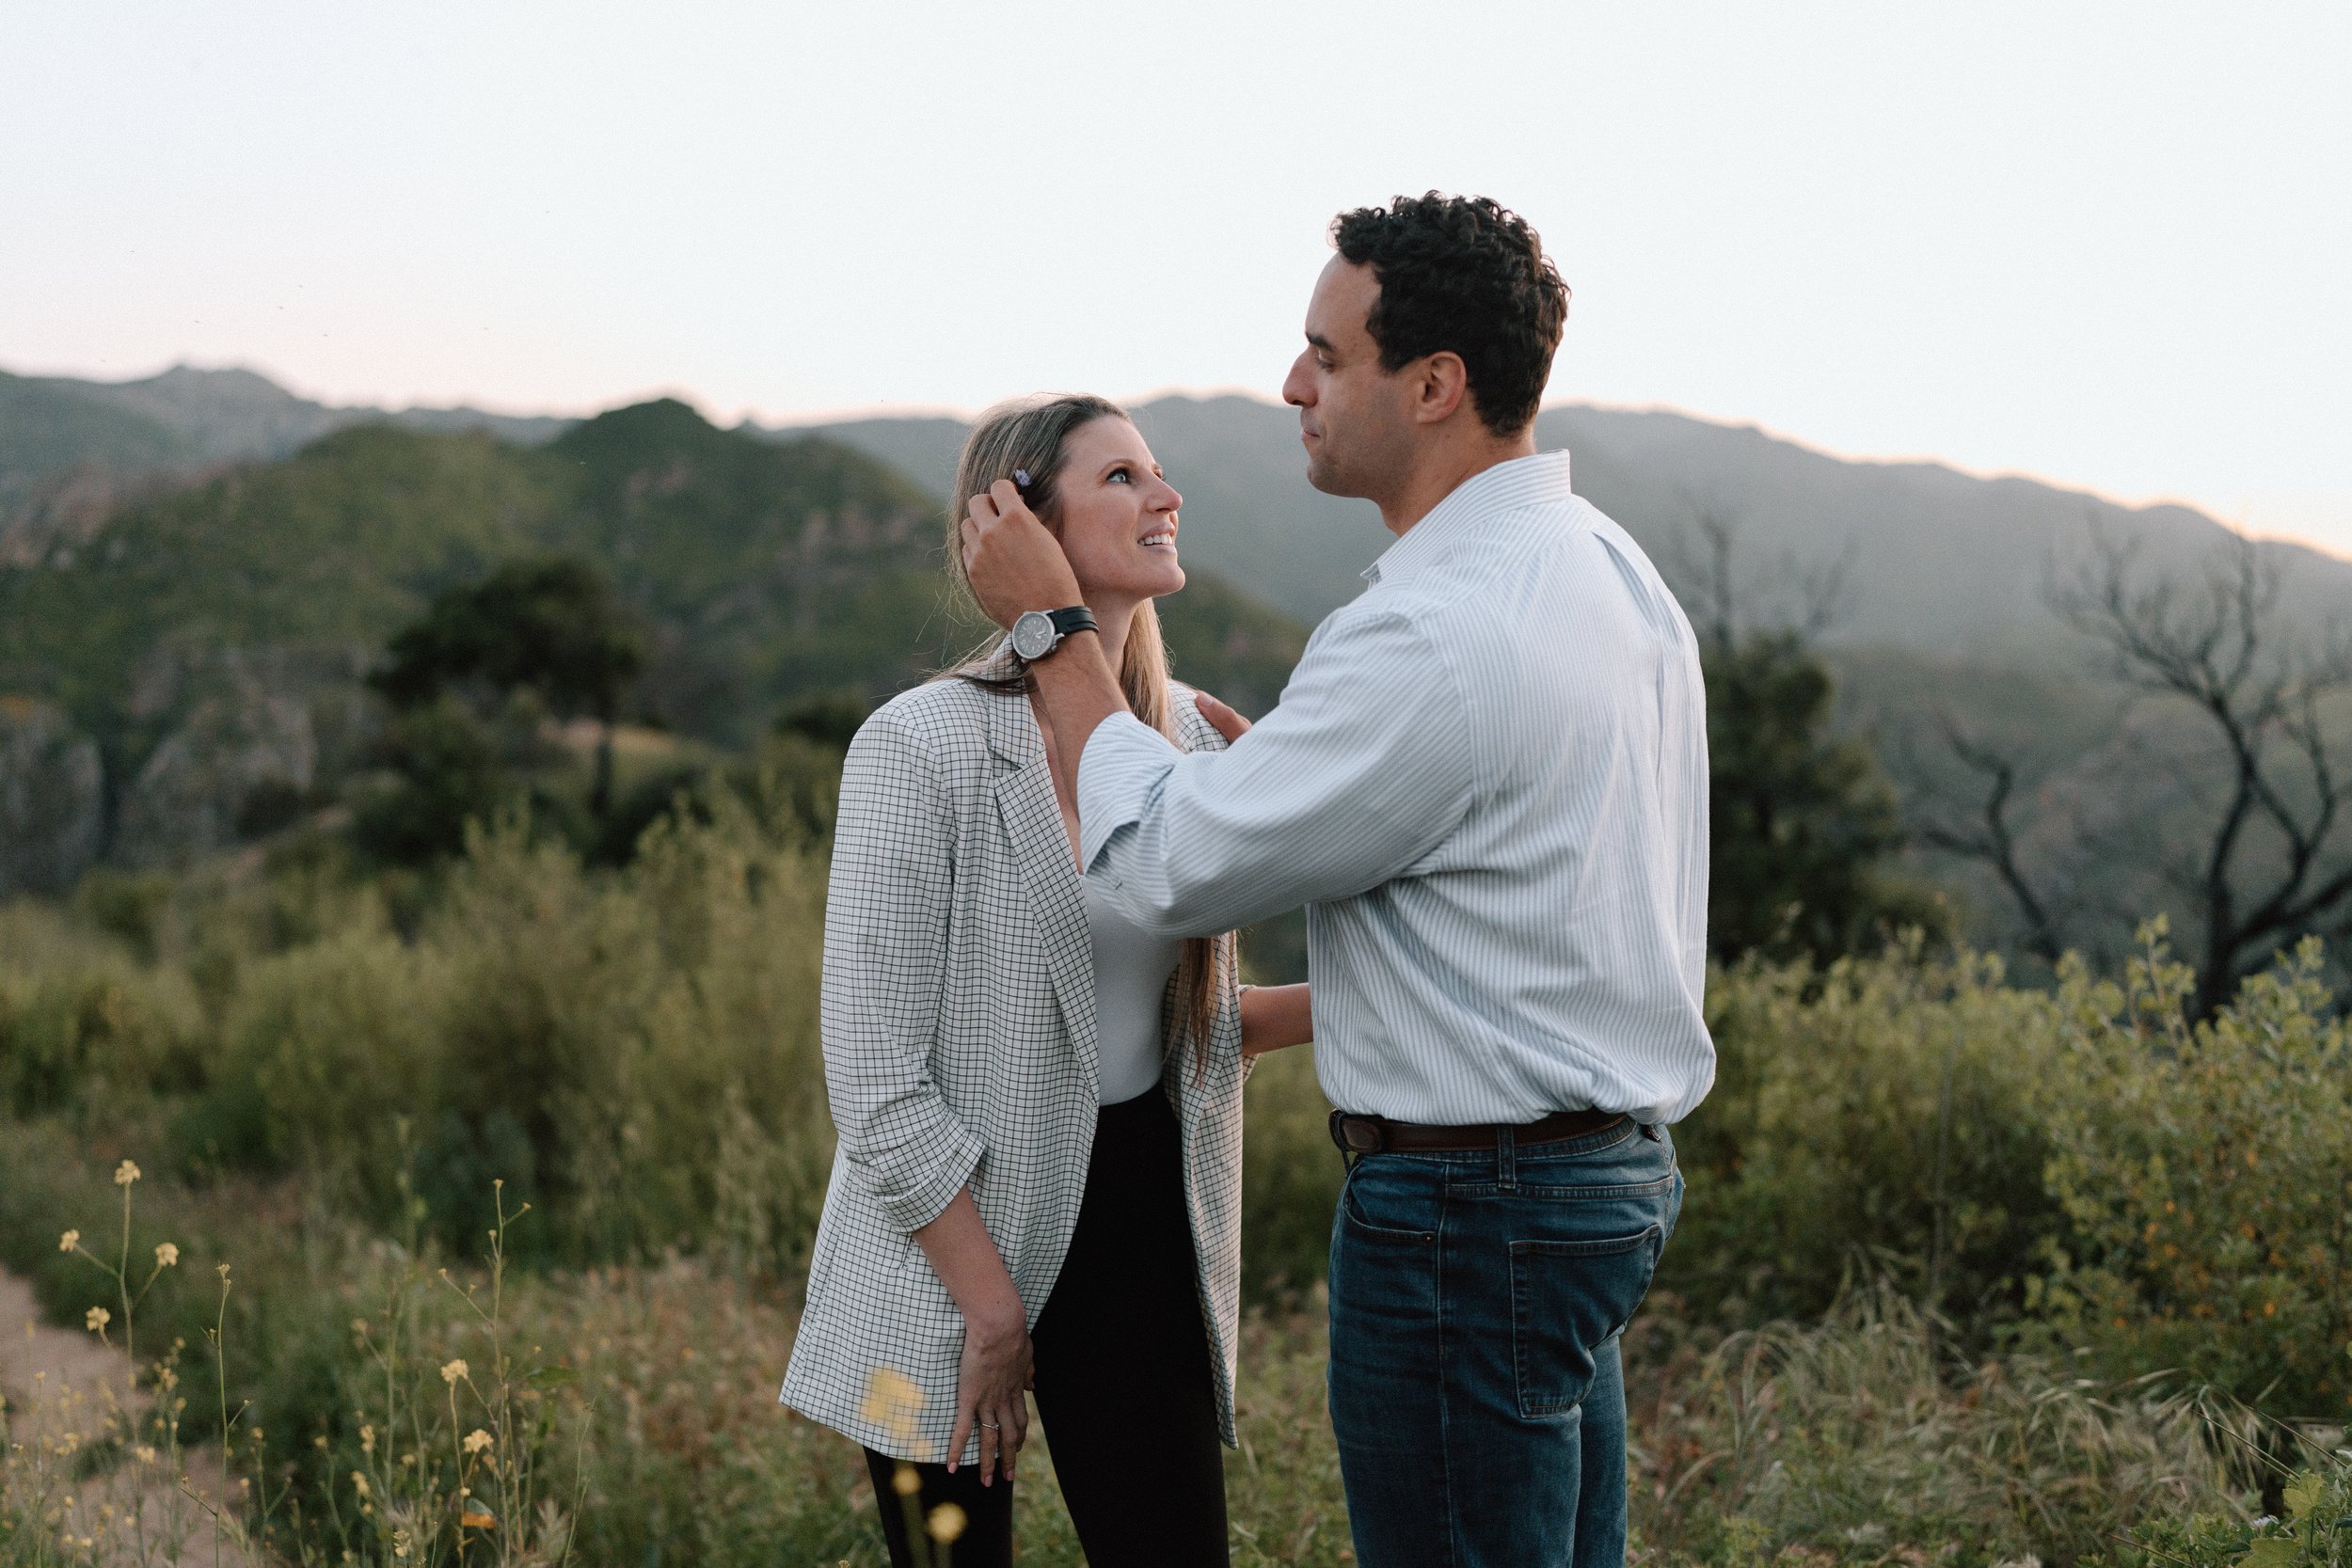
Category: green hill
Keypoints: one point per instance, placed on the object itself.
(73, 452)
(218, 633)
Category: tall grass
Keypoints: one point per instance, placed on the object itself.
(2050, 1194)
(1865, 1438)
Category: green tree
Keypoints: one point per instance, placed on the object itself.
(1803, 826)
(551, 626)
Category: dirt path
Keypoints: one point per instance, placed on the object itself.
(67, 1393)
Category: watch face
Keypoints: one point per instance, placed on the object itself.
(1033, 635)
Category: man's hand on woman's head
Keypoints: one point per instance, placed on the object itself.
(1013, 564)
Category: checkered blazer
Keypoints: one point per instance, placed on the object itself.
(958, 1017)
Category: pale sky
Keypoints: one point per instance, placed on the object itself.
(2108, 245)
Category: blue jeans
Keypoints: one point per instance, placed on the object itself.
(1476, 1300)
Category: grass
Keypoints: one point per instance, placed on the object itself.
(376, 1399)
(1969, 1273)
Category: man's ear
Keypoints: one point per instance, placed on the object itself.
(1440, 386)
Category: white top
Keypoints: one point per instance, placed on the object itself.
(1488, 781)
(1132, 968)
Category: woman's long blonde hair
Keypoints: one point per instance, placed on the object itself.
(1030, 434)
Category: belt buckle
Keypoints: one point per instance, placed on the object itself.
(1357, 1134)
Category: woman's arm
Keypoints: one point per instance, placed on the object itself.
(886, 918)
(997, 1365)
(1273, 1017)
(887, 915)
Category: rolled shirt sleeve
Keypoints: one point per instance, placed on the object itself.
(886, 911)
(1362, 770)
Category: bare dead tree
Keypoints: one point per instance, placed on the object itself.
(1990, 837)
(1705, 581)
(2272, 865)
(2042, 827)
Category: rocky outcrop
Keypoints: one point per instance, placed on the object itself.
(52, 800)
(241, 759)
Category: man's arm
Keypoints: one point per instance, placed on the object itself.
(1076, 692)
(1365, 767)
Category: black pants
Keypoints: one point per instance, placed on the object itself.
(1124, 1387)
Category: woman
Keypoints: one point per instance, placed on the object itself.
(1038, 1104)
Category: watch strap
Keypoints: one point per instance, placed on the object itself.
(1076, 618)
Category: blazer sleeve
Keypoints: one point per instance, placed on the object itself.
(886, 910)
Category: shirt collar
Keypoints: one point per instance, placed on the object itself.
(1520, 482)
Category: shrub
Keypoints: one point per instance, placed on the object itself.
(654, 1032)
(633, 1051)
(339, 1041)
(2313, 1531)
(81, 1022)
(1882, 1118)
(2206, 1175)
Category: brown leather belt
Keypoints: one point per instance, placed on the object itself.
(1375, 1134)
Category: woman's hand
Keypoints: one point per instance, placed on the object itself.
(1223, 719)
(991, 1391)
(995, 1373)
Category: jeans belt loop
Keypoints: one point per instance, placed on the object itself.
(1507, 1159)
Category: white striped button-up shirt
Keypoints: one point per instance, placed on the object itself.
(1486, 780)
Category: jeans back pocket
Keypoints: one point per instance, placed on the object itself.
(1568, 1298)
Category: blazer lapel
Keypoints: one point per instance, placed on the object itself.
(1049, 872)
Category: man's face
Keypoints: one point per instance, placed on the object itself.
(1354, 418)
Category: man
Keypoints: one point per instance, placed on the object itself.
(1488, 781)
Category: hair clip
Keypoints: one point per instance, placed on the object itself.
(1020, 482)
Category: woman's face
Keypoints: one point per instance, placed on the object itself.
(1117, 515)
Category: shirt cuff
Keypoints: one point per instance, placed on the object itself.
(1124, 760)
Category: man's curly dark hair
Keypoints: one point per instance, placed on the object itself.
(1466, 274)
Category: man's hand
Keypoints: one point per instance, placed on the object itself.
(1013, 564)
(1223, 719)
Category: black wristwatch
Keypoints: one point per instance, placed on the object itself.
(1039, 632)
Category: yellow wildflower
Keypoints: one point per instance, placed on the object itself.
(367, 1439)
(167, 1253)
(68, 1242)
(891, 1400)
(126, 1173)
(359, 1482)
(451, 1372)
(946, 1522)
(96, 1320)
(904, 1481)
(476, 1440)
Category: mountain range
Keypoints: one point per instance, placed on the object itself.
(197, 568)
(1931, 560)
